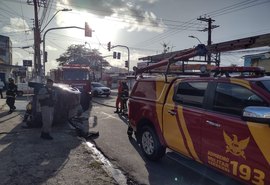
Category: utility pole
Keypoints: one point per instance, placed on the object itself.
(209, 29)
(37, 38)
(37, 59)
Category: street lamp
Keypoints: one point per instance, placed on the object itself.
(44, 35)
(191, 36)
(62, 10)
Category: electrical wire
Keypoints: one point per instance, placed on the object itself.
(170, 33)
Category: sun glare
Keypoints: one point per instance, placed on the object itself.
(104, 30)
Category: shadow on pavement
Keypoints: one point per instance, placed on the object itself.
(171, 174)
(27, 159)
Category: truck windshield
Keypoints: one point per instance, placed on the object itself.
(75, 75)
(265, 84)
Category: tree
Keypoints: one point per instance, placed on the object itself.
(79, 54)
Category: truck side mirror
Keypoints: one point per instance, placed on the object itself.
(257, 114)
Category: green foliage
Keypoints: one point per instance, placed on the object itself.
(79, 54)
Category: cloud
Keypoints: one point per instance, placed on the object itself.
(132, 15)
(17, 24)
(149, 1)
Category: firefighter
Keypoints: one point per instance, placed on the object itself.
(11, 95)
(46, 99)
(118, 99)
(124, 97)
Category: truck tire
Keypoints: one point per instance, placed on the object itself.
(150, 144)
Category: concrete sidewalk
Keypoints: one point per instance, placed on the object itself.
(27, 159)
(2, 103)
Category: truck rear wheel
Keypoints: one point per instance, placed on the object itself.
(150, 144)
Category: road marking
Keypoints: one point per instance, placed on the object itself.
(108, 116)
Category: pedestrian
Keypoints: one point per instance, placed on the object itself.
(11, 95)
(2, 85)
(46, 99)
(118, 102)
(124, 97)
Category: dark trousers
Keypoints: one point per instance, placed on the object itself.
(10, 102)
(124, 104)
(1, 93)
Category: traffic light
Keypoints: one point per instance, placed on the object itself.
(118, 55)
(87, 30)
(126, 63)
(114, 54)
(109, 46)
(45, 56)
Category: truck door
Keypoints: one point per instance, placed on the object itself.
(182, 118)
(230, 144)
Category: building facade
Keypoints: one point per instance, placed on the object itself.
(261, 59)
(6, 66)
(5, 50)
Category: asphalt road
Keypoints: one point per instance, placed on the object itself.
(126, 154)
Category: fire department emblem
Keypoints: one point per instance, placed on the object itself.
(234, 146)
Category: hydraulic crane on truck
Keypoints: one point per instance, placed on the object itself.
(201, 50)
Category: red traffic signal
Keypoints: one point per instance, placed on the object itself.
(87, 30)
(109, 46)
(118, 55)
(114, 54)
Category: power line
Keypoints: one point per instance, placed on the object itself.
(170, 33)
(237, 7)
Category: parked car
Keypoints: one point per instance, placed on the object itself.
(99, 89)
(23, 88)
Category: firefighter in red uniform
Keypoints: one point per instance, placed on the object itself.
(118, 99)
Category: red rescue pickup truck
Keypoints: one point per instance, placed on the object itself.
(222, 121)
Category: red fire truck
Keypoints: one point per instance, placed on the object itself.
(76, 75)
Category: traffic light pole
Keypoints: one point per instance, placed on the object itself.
(128, 53)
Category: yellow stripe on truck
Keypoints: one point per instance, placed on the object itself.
(161, 87)
(171, 128)
(260, 133)
(187, 135)
(240, 82)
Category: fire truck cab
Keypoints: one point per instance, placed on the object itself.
(75, 75)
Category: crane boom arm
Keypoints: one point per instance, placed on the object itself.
(199, 50)
(244, 43)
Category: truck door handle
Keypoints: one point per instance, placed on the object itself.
(172, 112)
(212, 123)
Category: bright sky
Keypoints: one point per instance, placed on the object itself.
(142, 25)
